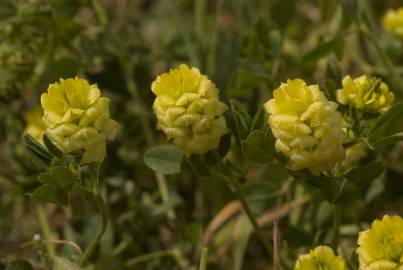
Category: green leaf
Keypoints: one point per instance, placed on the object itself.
(387, 140)
(330, 89)
(323, 49)
(259, 120)
(242, 119)
(296, 237)
(333, 72)
(387, 129)
(46, 178)
(38, 161)
(225, 144)
(241, 244)
(37, 149)
(19, 264)
(165, 159)
(254, 147)
(364, 175)
(349, 11)
(336, 190)
(393, 112)
(199, 165)
(63, 176)
(51, 147)
(51, 194)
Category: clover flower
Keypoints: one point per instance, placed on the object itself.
(369, 94)
(381, 247)
(393, 21)
(35, 125)
(77, 117)
(306, 126)
(320, 258)
(188, 110)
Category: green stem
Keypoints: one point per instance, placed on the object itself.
(151, 256)
(259, 231)
(100, 12)
(384, 57)
(148, 133)
(336, 226)
(27, 244)
(200, 15)
(211, 56)
(203, 259)
(43, 221)
(276, 245)
(101, 230)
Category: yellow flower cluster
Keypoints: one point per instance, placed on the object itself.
(306, 126)
(320, 258)
(369, 94)
(393, 21)
(35, 125)
(77, 117)
(188, 110)
(381, 247)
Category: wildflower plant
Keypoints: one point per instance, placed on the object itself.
(74, 127)
(263, 147)
(77, 117)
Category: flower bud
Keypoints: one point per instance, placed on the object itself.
(306, 126)
(381, 246)
(393, 21)
(77, 117)
(369, 94)
(322, 257)
(188, 110)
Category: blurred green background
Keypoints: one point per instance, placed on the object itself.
(247, 47)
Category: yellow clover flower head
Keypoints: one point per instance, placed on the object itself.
(381, 247)
(77, 117)
(35, 125)
(393, 21)
(188, 110)
(369, 94)
(306, 126)
(322, 257)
